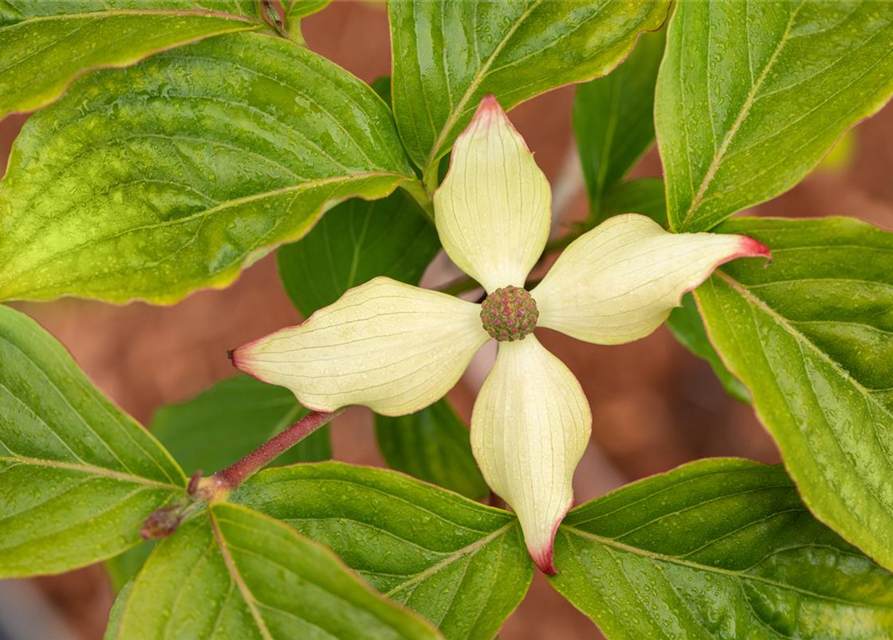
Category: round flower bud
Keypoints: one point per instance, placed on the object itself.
(509, 314)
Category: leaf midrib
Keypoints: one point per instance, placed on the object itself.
(740, 575)
(91, 469)
(479, 76)
(720, 153)
(370, 486)
(469, 550)
(233, 571)
(745, 293)
(204, 214)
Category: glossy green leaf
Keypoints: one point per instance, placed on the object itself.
(613, 118)
(355, 242)
(687, 326)
(645, 196)
(842, 156)
(15, 11)
(234, 573)
(42, 54)
(433, 445)
(78, 475)
(152, 181)
(449, 54)
(230, 420)
(752, 94)
(122, 568)
(460, 564)
(811, 336)
(720, 549)
(113, 627)
(295, 10)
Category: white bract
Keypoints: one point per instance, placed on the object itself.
(397, 348)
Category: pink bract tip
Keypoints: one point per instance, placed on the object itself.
(751, 248)
(544, 562)
(489, 103)
(488, 110)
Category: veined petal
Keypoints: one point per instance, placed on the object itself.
(493, 209)
(386, 345)
(530, 426)
(619, 282)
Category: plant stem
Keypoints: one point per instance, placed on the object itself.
(235, 474)
(431, 177)
(459, 285)
(416, 189)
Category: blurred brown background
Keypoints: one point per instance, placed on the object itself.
(654, 405)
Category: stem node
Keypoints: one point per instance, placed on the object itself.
(201, 491)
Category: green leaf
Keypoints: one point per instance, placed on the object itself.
(230, 420)
(382, 86)
(433, 445)
(687, 326)
(123, 568)
(645, 196)
(449, 54)
(613, 120)
(811, 336)
(353, 243)
(118, 607)
(15, 11)
(78, 475)
(842, 155)
(718, 549)
(298, 9)
(752, 94)
(460, 564)
(42, 55)
(152, 181)
(234, 573)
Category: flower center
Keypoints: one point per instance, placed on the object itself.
(509, 314)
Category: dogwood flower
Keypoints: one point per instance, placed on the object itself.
(396, 348)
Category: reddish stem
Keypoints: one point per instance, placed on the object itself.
(239, 471)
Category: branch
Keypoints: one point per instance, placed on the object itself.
(166, 520)
(235, 474)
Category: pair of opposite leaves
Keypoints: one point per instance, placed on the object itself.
(396, 348)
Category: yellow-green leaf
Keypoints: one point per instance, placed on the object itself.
(811, 336)
(150, 182)
(40, 56)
